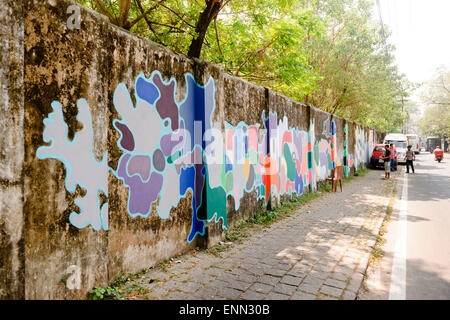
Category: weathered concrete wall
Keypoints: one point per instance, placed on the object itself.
(116, 153)
(11, 150)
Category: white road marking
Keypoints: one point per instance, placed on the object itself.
(398, 278)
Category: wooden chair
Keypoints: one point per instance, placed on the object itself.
(336, 175)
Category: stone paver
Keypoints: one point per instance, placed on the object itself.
(331, 291)
(239, 285)
(276, 296)
(335, 283)
(285, 289)
(319, 252)
(271, 280)
(348, 295)
(231, 294)
(299, 295)
(252, 295)
(293, 281)
(261, 287)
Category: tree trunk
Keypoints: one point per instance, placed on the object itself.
(124, 9)
(209, 14)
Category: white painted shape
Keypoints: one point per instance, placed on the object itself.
(81, 167)
(143, 121)
(169, 193)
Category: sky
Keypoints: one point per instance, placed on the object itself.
(420, 31)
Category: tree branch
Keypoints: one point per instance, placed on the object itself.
(143, 13)
(179, 16)
(252, 54)
(124, 10)
(138, 2)
(443, 85)
(213, 7)
(217, 36)
(173, 27)
(105, 11)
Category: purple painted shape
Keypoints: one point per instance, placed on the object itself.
(298, 144)
(272, 120)
(166, 106)
(141, 165)
(173, 141)
(127, 140)
(159, 161)
(141, 194)
(323, 159)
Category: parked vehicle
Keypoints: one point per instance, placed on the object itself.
(376, 160)
(400, 142)
(423, 143)
(413, 141)
(438, 154)
(432, 143)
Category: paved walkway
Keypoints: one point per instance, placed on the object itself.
(321, 251)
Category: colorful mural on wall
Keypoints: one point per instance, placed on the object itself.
(170, 148)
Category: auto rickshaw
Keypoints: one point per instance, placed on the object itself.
(438, 154)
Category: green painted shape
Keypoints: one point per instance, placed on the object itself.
(291, 169)
(216, 203)
(229, 182)
(172, 158)
(253, 156)
(310, 161)
(330, 163)
(316, 153)
(223, 179)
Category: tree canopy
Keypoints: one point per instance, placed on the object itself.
(327, 53)
(436, 96)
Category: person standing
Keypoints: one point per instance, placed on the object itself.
(387, 162)
(410, 157)
(393, 156)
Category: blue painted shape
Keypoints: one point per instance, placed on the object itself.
(146, 90)
(187, 181)
(299, 184)
(198, 106)
(228, 164)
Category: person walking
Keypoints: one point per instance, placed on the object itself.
(393, 156)
(387, 162)
(410, 157)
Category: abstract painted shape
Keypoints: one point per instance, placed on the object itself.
(159, 161)
(143, 120)
(141, 165)
(81, 166)
(166, 105)
(141, 193)
(171, 148)
(126, 141)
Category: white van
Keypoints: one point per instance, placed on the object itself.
(413, 140)
(400, 142)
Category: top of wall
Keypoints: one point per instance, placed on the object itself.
(197, 63)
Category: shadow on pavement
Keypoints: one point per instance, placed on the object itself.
(432, 187)
(429, 286)
(416, 218)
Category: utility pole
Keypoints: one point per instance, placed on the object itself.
(403, 119)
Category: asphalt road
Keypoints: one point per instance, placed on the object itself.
(416, 261)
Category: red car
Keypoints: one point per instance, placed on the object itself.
(377, 157)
